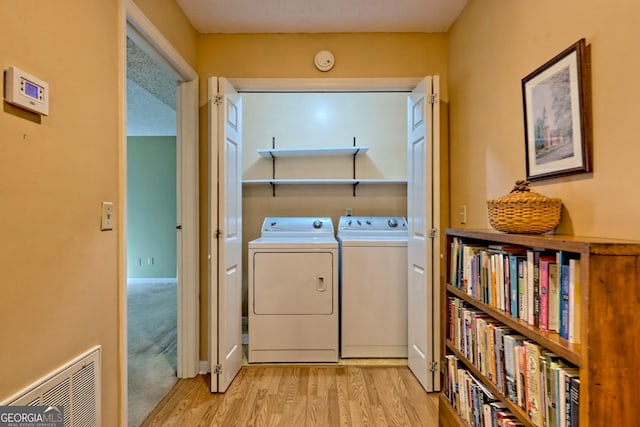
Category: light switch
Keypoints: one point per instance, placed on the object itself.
(463, 214)
(107, 216)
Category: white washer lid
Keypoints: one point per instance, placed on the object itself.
(282, 227)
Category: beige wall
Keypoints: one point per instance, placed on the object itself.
(167, 16)
(59, 271)
(291, 56)
(492, 46)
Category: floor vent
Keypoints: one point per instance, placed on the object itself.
(75, 386)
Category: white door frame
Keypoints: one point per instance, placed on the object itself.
(353, 85)
(388, 84)
(139, 28)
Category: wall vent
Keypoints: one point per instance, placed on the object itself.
(75, 386)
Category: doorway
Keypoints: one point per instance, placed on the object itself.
(151, 236)
(180, 152)
(428, 228)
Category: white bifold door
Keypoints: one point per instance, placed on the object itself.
(225, 232)
(423, 219)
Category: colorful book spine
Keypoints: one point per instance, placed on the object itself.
(534, 395)
(554, 298)
(561, 393)
(506, 285)
(574, 395)
(513, 285)
(521, 373)
(552, 363)
(530, 291)
(545, 261)
(575, 296)
(536, 289)
(453, 271)
(500, 332)
(570, 376)
(522, 289)
(510, 365)
(564, 301)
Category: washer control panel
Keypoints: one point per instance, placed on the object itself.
(371, 225)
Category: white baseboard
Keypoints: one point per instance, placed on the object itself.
(145, 280)
(205, 367)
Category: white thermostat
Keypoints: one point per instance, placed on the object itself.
(26, 91)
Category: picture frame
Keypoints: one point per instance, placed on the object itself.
(557, 116)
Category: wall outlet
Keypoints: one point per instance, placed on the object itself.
(349, 211)
(151, 260)
(463, 214)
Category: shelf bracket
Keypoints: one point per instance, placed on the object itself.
(273, 166)
(354, 166)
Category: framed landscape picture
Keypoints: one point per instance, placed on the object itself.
(556, 117)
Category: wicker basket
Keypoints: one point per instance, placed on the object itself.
(524, 211)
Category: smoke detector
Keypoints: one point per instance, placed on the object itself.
(324, 60)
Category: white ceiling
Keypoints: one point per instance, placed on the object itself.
(319, 16)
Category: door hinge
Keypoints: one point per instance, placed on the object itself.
(435, 367)
(217, 99)
(433, 98)
(218, 369)
(218, 234)
(432, 233)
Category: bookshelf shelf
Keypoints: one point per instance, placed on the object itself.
(605, 350)
(550, 340)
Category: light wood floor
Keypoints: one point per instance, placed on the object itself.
(302, 396)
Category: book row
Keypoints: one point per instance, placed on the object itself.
(540, 287)
(473, 402)
(537, 380)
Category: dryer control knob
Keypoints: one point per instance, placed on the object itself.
(317, 224)
(393, 223)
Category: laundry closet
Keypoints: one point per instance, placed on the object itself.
(322, 120)
(321, 155)
(295, 147)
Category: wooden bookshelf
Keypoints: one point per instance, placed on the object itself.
(609, 344)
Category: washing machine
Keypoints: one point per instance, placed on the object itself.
(293, 291)
(373, 286)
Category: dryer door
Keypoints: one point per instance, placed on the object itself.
(293, 283)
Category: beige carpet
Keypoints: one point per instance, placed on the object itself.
(152, 339)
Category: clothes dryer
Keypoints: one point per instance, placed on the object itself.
(373, 286)
(293, 291)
